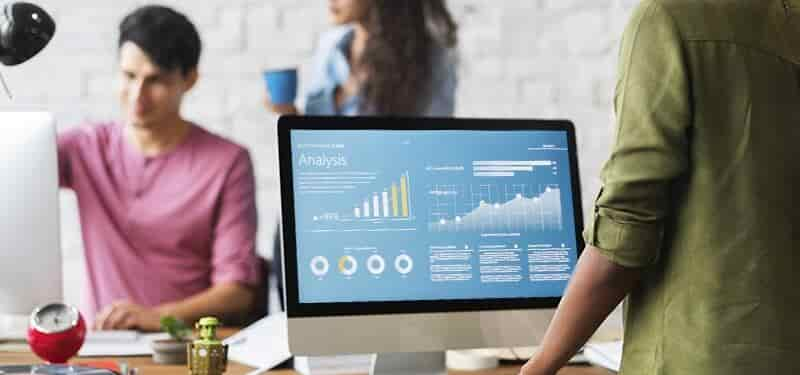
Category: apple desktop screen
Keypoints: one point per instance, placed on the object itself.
(432, 215)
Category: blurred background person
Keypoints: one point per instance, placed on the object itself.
(167, 208)
(388, 57)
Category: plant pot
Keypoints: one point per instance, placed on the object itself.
(169, 351)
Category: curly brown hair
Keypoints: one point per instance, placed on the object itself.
(404, 38)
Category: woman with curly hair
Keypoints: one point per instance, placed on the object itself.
(389, 57)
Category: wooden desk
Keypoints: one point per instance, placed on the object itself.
(147, 367)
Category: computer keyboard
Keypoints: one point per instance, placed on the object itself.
(112, 336)
(13, 327)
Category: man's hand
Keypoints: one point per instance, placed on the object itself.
(531, 368)
(597, 286)
(127, 315)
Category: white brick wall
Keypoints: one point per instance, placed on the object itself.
(520, 58)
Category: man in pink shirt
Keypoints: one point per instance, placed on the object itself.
(167, 208)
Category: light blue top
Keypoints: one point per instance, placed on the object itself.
(331, 69)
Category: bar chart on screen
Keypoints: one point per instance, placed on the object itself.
(392, 202)
(512, 168)
(374, 201)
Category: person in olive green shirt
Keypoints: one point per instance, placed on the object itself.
(695, 222)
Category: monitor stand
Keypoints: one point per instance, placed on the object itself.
(427, 363)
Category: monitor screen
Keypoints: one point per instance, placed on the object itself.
(432, 215)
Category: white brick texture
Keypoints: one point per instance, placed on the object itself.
(520, 58)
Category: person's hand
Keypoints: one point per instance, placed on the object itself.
(281, 109)
(532, 368)
(127, 315)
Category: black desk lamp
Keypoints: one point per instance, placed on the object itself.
(25, 29)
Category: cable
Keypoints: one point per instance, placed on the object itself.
(5, 87)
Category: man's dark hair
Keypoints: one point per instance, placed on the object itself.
(165, 35)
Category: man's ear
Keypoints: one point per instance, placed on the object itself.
(190, 79)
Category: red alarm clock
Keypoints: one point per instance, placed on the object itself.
(56, 332)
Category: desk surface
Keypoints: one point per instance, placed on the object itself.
(147, 367)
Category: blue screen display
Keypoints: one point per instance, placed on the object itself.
(412, 215)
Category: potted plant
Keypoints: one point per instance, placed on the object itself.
(171, 351)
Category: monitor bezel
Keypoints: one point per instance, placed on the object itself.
(295, 309)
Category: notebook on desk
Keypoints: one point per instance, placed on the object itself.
(53, 370)
(118, 343)
(604, 354)
(263, 345)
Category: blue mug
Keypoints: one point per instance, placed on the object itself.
(281, 85)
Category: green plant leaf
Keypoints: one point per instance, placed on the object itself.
(175, 327)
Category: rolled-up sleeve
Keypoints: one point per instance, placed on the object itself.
(234, 257)
(651, 151)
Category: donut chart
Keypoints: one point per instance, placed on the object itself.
(320, 266)
(404, 264)
(376, 265)
(348, 265)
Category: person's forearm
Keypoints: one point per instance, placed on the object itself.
(596, 289)
(229, 299)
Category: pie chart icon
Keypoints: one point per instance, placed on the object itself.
(348, 265)
(319, 266)
(404, 264)
(376, 265)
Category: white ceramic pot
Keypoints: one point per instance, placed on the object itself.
(169, 351)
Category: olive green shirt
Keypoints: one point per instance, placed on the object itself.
(699, 189)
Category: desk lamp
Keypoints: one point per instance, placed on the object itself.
(25, 29)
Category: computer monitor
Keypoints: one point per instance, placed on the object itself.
(406, 235)
(30, 250)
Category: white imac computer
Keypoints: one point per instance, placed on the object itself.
(30, 249)
(407, 237)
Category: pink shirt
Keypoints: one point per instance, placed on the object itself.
(160, 229)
